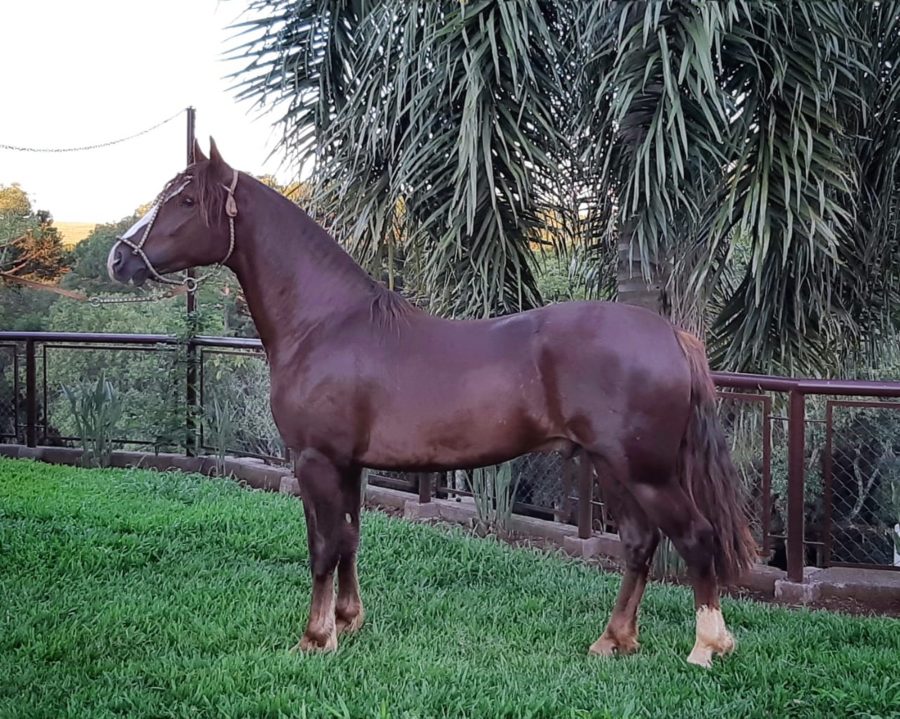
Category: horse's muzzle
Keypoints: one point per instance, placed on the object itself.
(124, 266)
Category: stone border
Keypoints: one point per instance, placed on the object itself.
(256, 474)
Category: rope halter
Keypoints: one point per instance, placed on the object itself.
(190, 283)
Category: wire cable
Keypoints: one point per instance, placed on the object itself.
(18, 148)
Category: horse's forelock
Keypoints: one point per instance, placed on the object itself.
(210, 195)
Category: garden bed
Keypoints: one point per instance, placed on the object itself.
(137, 593)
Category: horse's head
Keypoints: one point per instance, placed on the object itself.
(190, 224)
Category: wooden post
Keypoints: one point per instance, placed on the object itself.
(585, 496)
(424, 487)
(796, 472)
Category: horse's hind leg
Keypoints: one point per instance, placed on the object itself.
(639, 539)
(349, 612)
(323, 505)
(693, 536)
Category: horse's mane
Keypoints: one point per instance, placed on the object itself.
(211, 195)
(387, 308)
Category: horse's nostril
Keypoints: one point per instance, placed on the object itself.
(117, 258)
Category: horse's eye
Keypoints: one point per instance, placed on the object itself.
(187, 201)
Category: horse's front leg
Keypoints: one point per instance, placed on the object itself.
(328, 536)
(349, 609)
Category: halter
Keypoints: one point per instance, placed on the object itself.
(190, 283)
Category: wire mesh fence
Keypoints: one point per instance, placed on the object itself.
(234, 405)
(747, 422)
(148, 382)
(861, 483)
(9, 392)
(538, 479)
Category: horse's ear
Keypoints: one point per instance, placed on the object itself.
(215, 159)
(198, 153)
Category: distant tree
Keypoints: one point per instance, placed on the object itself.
(30, 246)
(23, 309)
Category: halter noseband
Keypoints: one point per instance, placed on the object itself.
(190, 283)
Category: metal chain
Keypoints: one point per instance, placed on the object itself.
(99, 301)
(17, 148)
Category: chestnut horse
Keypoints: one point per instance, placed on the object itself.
(361, 378)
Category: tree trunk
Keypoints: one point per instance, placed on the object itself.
(634, 289)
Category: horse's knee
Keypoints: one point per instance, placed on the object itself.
(639, 549)
(332, 538)
(698, 544)
(323, 558)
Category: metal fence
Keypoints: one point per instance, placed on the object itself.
(861, 483)
(9, 392)
(819, 459)
(233, 401)
(831, 467)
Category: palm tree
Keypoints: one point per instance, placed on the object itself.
(740, 159)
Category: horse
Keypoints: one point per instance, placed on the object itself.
(362, 378)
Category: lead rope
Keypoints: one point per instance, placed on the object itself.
(190, 284)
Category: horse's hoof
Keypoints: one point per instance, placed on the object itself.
(700, 657)
(608, 645)
(726, 643)
(311, 644)
(350, 624)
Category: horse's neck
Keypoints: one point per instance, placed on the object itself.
(293, 274)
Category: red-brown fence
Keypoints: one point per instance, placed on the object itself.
(820, 458)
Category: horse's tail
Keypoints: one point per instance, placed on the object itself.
(707, 473)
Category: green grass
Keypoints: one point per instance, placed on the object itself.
(134, 594)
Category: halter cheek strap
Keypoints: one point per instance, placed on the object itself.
(230, 204)
(190, 283)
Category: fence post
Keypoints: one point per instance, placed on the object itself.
(585, 496)
(191, 117)
(30, 394)
(191, 308)
(424, 487)
(796, 472)
(190, 439)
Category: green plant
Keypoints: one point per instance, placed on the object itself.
(494, 490)
(221, 420)
(244, 378)
(667, 562)
(96, 409)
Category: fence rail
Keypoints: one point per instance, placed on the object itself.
(821, 458)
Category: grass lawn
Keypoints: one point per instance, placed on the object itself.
(136, 594)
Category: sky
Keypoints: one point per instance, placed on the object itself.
(81, 73)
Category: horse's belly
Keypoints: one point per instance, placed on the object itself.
(459, 435)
